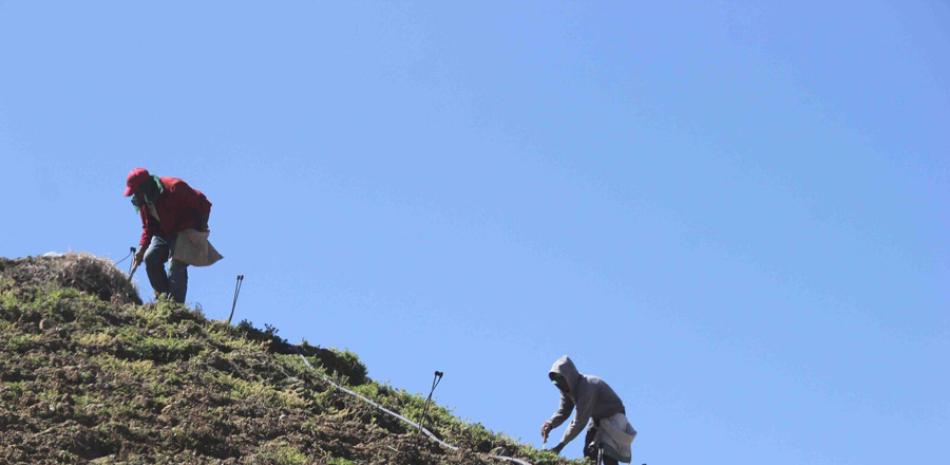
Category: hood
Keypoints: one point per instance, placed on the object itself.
(565, 368)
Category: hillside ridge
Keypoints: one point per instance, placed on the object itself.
(90, 374)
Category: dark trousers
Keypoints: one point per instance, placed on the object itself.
(173, 283)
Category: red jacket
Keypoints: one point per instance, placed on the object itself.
(179, 207)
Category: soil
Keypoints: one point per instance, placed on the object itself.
(89, 375)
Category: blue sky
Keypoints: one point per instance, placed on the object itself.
(735, 213)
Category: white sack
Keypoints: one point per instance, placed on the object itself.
(615, 435)
(193, 248)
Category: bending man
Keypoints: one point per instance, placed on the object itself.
(594, 400)
(167, 207)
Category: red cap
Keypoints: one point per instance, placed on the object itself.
(136, 177)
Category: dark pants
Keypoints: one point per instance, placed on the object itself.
(591, 448)
(175, 282)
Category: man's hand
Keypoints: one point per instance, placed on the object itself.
(557, 449)
(545, 430)
(139, 256)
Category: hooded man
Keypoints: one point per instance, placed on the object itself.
(594, 400)
(167, 207)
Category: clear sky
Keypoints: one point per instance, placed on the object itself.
(735, 213)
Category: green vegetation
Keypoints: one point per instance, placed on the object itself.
(283, 455)
(92, 375)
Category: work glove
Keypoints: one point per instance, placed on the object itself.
(545, 430)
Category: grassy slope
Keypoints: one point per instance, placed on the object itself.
(87, 374)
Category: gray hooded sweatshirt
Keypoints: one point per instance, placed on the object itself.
(590, 394)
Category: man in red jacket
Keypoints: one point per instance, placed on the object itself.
(167, 207)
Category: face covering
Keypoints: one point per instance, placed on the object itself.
(150, 197)
(153, 190)
(149, 193)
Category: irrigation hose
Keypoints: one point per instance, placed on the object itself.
(402, 418)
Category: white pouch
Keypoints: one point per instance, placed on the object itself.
(193, 248)
(615, 435)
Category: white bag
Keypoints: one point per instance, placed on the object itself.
(193, 248)
(616, 435)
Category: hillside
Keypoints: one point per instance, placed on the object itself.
(88, 374)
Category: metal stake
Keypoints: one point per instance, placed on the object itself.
(237, 290)
(435, 382)
(132, 265)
